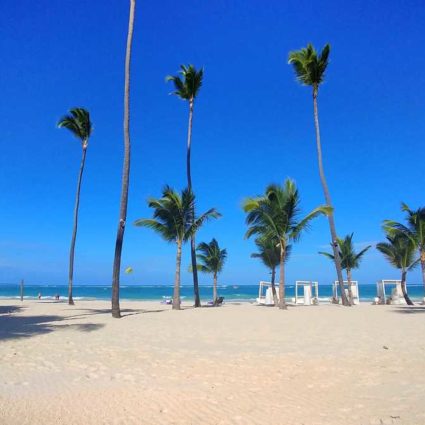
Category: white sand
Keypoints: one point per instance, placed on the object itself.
(237, 364)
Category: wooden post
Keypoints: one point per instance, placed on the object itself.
(22, 290)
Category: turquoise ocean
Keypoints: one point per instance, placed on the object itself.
(247, 293)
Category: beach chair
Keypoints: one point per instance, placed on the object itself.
(219, 301)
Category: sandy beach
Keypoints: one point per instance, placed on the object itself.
(237, 364)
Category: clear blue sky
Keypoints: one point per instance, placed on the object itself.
(253, 125)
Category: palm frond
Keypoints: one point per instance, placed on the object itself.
(305, 222)
(399, 250)
(310, 67)
(350, 259)
(199, 221)
(326, 254)
(78, 123)
(211, 257)
(188, 85)
(275, 215)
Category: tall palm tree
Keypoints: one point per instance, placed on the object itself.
(269, 254)
(211, 260)
(275, 215)
(187, 87)
(350, 259)
(116, 312)
(414, 229)
(173, 220)
(310, 67)
(79, 124)
(400, 252)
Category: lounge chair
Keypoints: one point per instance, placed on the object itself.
(218, 301)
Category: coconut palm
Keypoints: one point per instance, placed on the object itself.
(310, 67)
(173, 220)
(275, 216)
(116, 312)
(414, 229)
(269, 254)
(400, 252)
(187, 86)
(211, 260)
(79, 124)
(350, 259)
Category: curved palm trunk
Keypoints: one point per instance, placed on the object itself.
(422, 256)
(189, 185)
(176, 294)
(74, 231)
(282, 302)
(125, 173)
(350, 290)
(215, 295)
(403, 288)
(275, 299)
(335, 246)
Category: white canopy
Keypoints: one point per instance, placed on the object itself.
(354, 290)
(387, 297)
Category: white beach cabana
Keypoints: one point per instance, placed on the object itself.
(265, 293)
(354, 290)
(310, 294)
(389, 292)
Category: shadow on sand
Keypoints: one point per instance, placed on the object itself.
(85, 312)
(14, 325)
(416, 309)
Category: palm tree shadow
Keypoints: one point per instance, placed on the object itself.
(9, 309)
(16, 326)
(107, 311)
(409, 310)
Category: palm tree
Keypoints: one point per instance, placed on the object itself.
(116, 312)
(275, 216)
(187, 88)
(269, 254)
(211, 260)
(414, 229)
(173, 220)
(79, 124)
(400, 252)
(310, 70)
(350, 259)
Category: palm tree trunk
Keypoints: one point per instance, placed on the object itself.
(275, 299)
(422, 256)
(189, 185)
(215, 295)
(350, 291)
(176, 294)
(335, 246)
(116, 312)
(74, 231)
(22, 290)
(282, 302)
(403, 288)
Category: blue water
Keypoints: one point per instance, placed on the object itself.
(157, 292)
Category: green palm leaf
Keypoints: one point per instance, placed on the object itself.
(350, 259)
(211, 257)
(309, 66)
(188, 83)
(78, 123)
(172, 215)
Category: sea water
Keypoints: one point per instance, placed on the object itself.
(247, 293)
